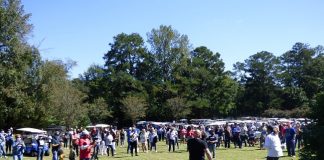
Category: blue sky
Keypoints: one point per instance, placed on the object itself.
(81, 30)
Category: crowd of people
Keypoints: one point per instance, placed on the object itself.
(201, 140)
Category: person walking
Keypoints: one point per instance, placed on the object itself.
(198, 148)
(273, 144)
(18, 147)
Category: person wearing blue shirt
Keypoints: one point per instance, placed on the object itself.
(211, 142)
(236, 136)
(18, 147)
(2, 143)
(128, 139)
(290, 135)
(9, 141)
(56, 145)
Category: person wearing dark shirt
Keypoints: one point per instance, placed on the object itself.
(56, 145)
(18, 148)
(211, 141)
(290, 135)
(228, 136)
(198, 148)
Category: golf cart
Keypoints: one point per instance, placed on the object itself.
(30, 136)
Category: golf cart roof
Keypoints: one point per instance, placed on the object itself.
(31, 130)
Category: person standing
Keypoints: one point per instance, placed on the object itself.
(9, 141)
(2, 143)
(85, 146)
(56, 145)
(70, 137)
(211, 141)
(109, 143)
(65, 139)
(228, 136)
(172, 134)
(244, 135)
(18, 147)
(153, 137)
(133, 141)
(143, 139)
(299, 134)
(50, 141)
(40, 147)
(72, 155)
(236, 136)
(290, 135)
(273, 144)
(95, 137)
(198, 148)
(75, 141)
(122, 136)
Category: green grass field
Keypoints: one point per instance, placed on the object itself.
(246, 153)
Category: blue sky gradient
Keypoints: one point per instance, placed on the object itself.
(81, 30)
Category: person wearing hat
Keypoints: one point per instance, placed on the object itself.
(18, 147)
(56, 145)
(273, 144)
(85, 146)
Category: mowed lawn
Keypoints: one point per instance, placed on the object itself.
(246, 153)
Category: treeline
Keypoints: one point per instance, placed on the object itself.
(159, 78)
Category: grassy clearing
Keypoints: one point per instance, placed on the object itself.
(246, 153)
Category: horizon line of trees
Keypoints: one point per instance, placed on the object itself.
(164, 79)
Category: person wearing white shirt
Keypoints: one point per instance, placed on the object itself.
(172, 138)
(143, 139)
(133, 141)
(273, 144)
(109, 143)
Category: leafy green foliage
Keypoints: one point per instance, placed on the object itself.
(134, 107)
(313, 137)
(178, 108)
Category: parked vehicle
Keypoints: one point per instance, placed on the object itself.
(30, 136)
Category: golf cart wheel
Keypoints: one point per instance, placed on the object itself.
(46, 153)
(33, 154)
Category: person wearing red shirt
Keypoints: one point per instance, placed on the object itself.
(85, 146)
(182, 134)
